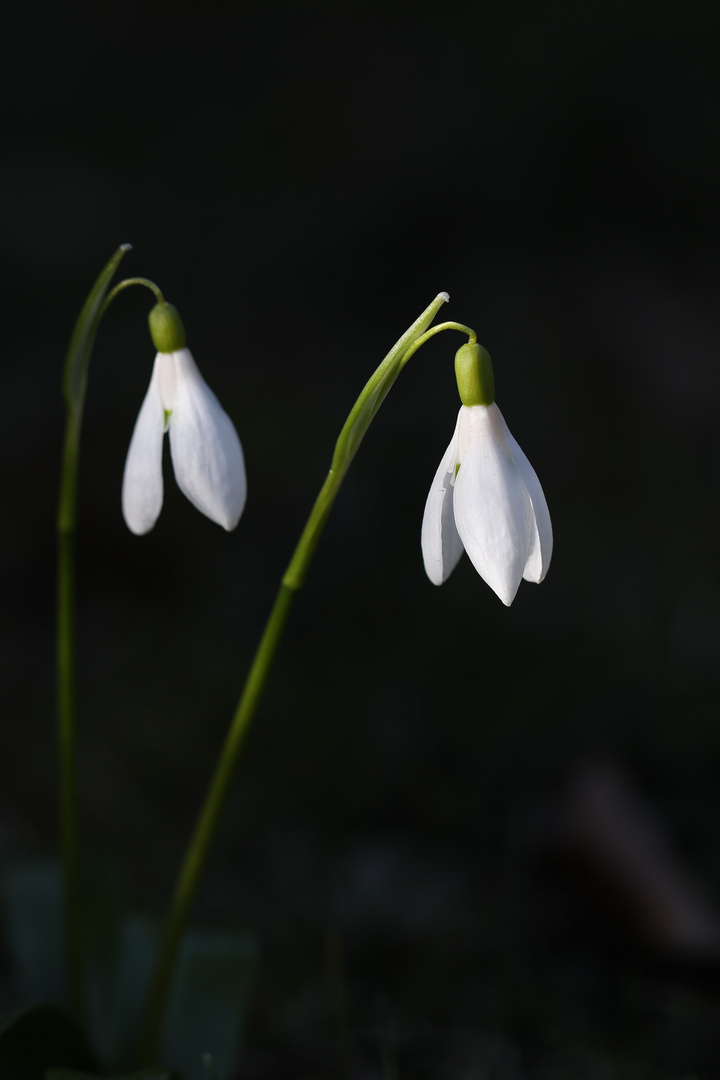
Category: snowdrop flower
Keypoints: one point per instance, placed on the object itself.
(486, 498)
(205, 449)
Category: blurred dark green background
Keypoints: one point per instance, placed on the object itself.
(301, 180)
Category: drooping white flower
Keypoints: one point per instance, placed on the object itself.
(206, 453)
(486, 500)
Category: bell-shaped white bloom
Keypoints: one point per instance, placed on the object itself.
(487, 500)
(205, 449)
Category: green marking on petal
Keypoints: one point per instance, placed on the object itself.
(167, 413)
(457, 470)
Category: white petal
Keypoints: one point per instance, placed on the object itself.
(441, 544)
(541, 550)
(493, 511)
(206, 452)
(142, 487)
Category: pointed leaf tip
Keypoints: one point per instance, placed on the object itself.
(83, 335)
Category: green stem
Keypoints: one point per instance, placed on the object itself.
(202, 836)
(206, 826)
(349, 440)
(132, 281)
(472, 336)
(74, 389)
(66, 713)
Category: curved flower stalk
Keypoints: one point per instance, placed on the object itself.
(75, 380)
(206, 453)
(354, 430)
(486, 498)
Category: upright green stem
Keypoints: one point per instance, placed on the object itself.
(205, 828)
(74, 389)
(349, 440)
(66, 713)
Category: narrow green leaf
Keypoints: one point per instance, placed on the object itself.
(119, 950)
(37, 1039)
(137, 950)
(207, 1002)
(83, 336)
(32, 900)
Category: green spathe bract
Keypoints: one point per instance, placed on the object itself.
(166, 328)
(474, 374)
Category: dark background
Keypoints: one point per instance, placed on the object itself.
(301, 180)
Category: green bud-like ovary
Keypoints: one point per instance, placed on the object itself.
(474, 374)
(166, 328)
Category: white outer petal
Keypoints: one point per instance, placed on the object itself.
(541, 551)
(206, 452)
(142, 486)
(493, 511)
(441, 544)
